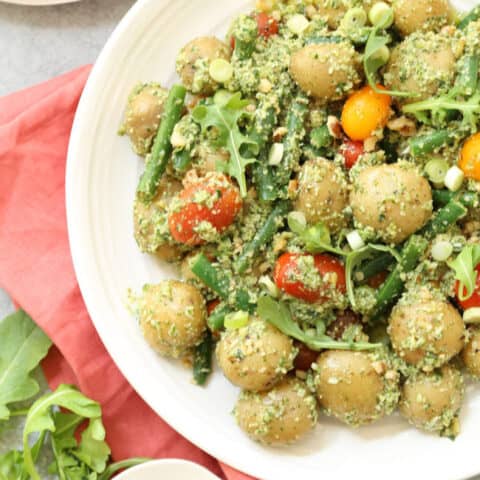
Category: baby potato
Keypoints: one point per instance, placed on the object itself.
(353, 386)
(279, 416)
(471, 353)
(172, 317)
(420, 15)
(421, 64)
(150, 222)
(142, 115)
(432, 401)
(193, 63)
(322, 193)
(394, 200)
(326, 71)
(256, 356)
(426, 330)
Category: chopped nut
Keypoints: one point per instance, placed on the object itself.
(264, 5)
(370, 144)
(250, 108)
(177, 139)
(279, 244)
(292, 188)
(310, 11)
(380, 367)
(279, 133)
(334, 127)
(190, 178)
(276, 15)
(391, 375)
(265, 86)
(403, 125)
(301, 374)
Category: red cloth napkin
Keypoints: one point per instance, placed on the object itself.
(36, 269)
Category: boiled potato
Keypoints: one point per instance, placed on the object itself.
(172, 317)
(279, 416)
(422, 64)
(420, 15)
(193, 63)
(151, 222)
(327, 71)
(432, 401)
(256, 356)
(142, 115)
(393, 200)
(322, 193)
(332, 11)
(355, 387)
(471, 353)
(426, 330)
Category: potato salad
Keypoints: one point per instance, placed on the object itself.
(315, 176)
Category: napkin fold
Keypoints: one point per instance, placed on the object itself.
(37, 271)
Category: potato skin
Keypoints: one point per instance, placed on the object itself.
(432, 401)
(426, 331)
(256, 356)
(194, 60)
(142, 115)
(326, 71)
(322, 193)
(350, 388)
(172, 317)
(150, 222)
(394, 200)
(422, 63)
(420, 15)
(471, 353)
(279, 416)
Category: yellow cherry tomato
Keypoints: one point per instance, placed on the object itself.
(470, 157)
(364, 112)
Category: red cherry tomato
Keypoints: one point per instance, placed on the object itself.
(286, 269)
(474, 300)
(267, 26)
(377, 279)
(212, 305)
(351, 150)
(212, 199)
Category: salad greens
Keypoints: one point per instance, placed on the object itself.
(225, 117)
(465, 270)
(22, 346)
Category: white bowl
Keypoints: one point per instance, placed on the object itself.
(171, 469)
(102, 174)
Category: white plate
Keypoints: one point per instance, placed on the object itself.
(171, 469)
(101, 179)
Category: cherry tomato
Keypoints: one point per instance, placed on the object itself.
(470, 157)
(474, 300)
(212, 199)
(305, 357)
(351, 150)
(286, 268)
(364, 112)
(377, 279)
(267, 26)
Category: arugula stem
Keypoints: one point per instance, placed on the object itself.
(122, 465)
(19, 413)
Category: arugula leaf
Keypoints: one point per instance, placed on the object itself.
(41, 418)
(316, 238)
(464, 266)
(22, 347)
(278, 314)
(11, 465)
(225, 117)
(355, 258)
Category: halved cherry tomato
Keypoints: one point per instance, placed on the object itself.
(364, 112)
(474, 300)
(212, 199)
(351, 150)
(377, 279)
(286, 269)
(305, 357)
(470, 157)
(211, 306)
(267, 25)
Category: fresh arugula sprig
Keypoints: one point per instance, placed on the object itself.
(225, 117)
(373, 60)
(464, 266)
(278, 314)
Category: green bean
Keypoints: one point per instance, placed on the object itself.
(217, 318)
(157, 160)
(472, 16)
(245, 38)
(376, 265)
(264, 179)
(467, 79)
(442, 197)
(393, 286)
(211, 277)
(181, 159)
(430, 142)
(444, 218)
(263, 236)
(202, 359)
